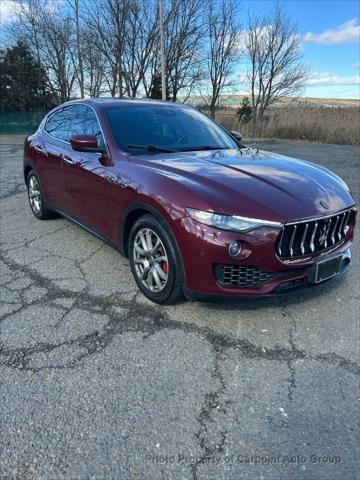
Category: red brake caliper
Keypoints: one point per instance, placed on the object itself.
(164, 265)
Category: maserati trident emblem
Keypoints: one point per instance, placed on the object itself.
(324, 204)
(324, 233)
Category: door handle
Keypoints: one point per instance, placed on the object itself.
(68, 160)
(39, 148)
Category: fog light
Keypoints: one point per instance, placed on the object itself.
(234, 248)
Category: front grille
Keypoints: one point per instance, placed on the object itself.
(312, 236)
(242, 276)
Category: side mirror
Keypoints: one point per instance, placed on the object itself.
(236, 135)
(85, 143)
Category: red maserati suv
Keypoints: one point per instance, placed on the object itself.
(195, 211)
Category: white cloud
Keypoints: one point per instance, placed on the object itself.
(7, 10)
(328, 79)
(344, 33)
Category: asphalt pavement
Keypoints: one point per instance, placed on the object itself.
(96, 382)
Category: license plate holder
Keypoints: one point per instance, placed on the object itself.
(326, 269)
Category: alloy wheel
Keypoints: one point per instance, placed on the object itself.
(150, 260)
(35, 194)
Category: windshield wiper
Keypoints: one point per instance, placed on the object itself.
(203, 147)
(151, 148)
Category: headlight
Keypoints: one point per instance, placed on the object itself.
(227, 222)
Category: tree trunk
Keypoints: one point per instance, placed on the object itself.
(254, 122)
(212, 109)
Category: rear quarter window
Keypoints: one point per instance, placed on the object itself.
(59, 122)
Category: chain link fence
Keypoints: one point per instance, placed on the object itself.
(20, 123)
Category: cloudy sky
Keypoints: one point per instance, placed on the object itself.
(331, 41)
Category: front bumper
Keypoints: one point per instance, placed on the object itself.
(204, 247)
(285, 288)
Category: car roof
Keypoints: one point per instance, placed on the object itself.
(113, 102)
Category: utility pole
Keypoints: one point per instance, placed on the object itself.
(162, 49)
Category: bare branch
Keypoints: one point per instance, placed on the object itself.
(275, 62)
(223, 34)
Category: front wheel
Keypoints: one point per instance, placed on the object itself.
(155, 261)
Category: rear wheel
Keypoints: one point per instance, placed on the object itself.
(36, 199)
(155, 260)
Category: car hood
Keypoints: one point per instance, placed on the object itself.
(256, 183)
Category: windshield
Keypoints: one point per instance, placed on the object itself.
(172, 128)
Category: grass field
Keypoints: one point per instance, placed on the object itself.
(311, 123)
(236, 100)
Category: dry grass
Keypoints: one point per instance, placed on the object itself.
(236, 100)
(326, 125)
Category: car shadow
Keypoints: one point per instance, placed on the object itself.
(294, 298)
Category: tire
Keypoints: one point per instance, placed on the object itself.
(165, 261)
(37, 205)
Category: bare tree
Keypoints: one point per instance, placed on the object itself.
(94, 65)
(47, 30)
(113, 46)
(153, 76)
(184, 31)
(57, 34)
(107, 20)
(276, 68)
(142, 31)
(78, 64)
(222, 35)
(183, 34)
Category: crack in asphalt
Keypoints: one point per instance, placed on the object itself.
(139, 318)
(290, 362)
(211, 403)
(148, 320)
(15, 190)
